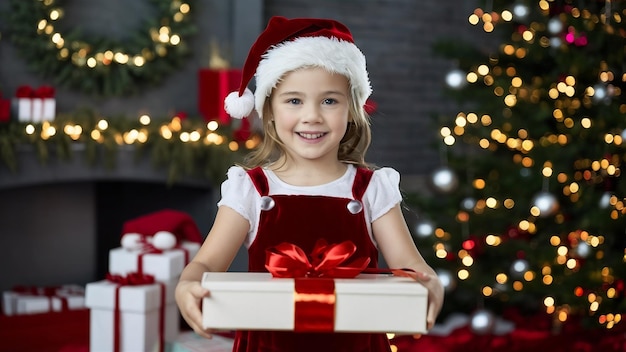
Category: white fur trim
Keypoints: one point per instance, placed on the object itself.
(337, 56)
(239, 106)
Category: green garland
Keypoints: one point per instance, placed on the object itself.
(208, 156)
(100, 66)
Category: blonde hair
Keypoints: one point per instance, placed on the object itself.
(352, 148)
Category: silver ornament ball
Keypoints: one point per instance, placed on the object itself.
(605, 200)
(447, 279)
(583, 250)
(600, 93)
(424, 228)
(555, 25)
(519, 267)
(455, 79)
(546, 203)
(468, 203)
(520, 11)
(482, 322)
(444, 180)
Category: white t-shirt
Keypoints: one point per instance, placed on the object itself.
(239, 193)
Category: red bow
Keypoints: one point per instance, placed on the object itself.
(24, 92)
(287, 260)
(44, 92)
(132, 279)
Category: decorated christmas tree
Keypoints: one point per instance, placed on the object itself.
(529, 205)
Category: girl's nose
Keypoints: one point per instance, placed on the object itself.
(311, 113)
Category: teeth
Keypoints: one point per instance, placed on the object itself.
(311, 135)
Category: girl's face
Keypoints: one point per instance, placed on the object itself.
(310, 112)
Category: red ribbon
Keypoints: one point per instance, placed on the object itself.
(44, 92)
(314, 295)
(24, 92)
(287, 260)
(135, 279)
(146, 249)
(50, 292)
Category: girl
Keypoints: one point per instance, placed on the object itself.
(308, 179)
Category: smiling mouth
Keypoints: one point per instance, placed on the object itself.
(311, 135)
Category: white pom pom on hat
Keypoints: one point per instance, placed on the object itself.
(288, 44)
(239, 106)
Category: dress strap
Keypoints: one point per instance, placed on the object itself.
(259, 180)
(361, 181)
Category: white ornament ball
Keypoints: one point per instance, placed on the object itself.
(600, 93)
(468, 203)
(164, 240)
(455, 79)
(444, 180)
(520, 11)
(546, 203)
(519, 267)
(556, 42)
(132, 241)
(424, 228)
(482, 322)
(583, 250)
(605, 200)
(555, 25)
(447, 279)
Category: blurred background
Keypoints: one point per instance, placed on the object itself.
(505, 119)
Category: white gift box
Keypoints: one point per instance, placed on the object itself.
(139, 308)
(192, 249)
(65, 297)
(367, 303)
(163, 266)
(24, 109)
(48, 109)
(37, 110)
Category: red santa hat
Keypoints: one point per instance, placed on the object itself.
(288, 44)
(180, 224)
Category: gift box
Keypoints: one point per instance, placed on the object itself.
(366, 303)
(44, 104)
(24, 99)
(34, 300)
(163, 265)
(213, 87)
(142, 324)
(35, 105)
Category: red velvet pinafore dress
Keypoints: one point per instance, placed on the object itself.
(302, 220)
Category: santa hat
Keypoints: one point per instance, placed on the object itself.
(180, 224)
(288, 44)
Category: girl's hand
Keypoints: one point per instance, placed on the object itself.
(435, 296)
(189, 296)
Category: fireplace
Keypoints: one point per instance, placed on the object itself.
(59, 220)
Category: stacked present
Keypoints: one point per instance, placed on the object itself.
(35, 104)
(316, 294)
(133, 309)
(33, 300)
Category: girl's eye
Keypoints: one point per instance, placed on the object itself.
(329, 101)
(294, 101)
